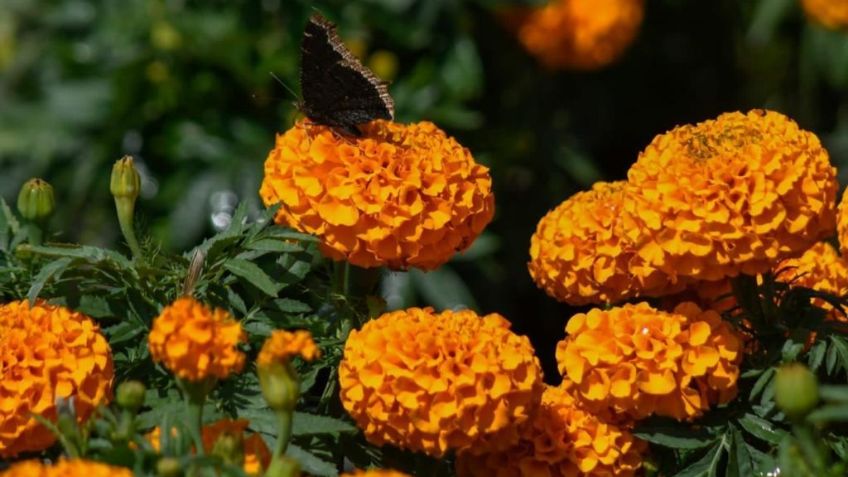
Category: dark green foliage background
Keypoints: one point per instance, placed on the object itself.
(185, 87)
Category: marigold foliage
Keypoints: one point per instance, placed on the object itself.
(257, 456)
(579, 34)
(283, 345)
(47, 352)
(376, 473)
(430, 382)
(400, 196)
(634, 361)
(832, 14)
(732, 195)
(65, 468)
(196, 342)
(586, 251)
(562, 440)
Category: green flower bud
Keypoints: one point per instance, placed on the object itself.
(130, 395)
(280, 386)
(36, 201)
(230, 448)
(283, 467)
(169, 467)
(126, 182)
(796, 390)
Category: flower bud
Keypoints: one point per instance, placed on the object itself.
(125, 182)
(130, 395)
(230, 448)
(280, 386)
(36, 201)
(169, 467)
(796, 390)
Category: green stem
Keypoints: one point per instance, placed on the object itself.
(278, 464)
(126, 212)
(195, 397)
(35, 233)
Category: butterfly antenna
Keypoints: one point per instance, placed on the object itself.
(294, 95)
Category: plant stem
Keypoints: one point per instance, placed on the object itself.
(284, 421)
(195, 396)
(35, 234)
(126, 211)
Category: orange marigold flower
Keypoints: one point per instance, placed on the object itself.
(257, 456)
(562, 440)
(842, 224)
(376, 473)
(400, 196)
(47, 352)
(283, 345)
(832, 14)
(65, 468)
(196, 342)
(821, 269)
(586, 251)
(732, 195)
(578, 34)
(430, 382)
(635, 361)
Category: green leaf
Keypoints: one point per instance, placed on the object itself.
(54, 268)
(834, 393)
(829, 413)
(674, 435)
(739, 459)
(9, 225)
(815, 357)
(706, 466)
(311, 464)
(443, 289)
(253, 274)
(274, 245)
(123, 331)
(761, 428)
(761, 383)
(305, 424)
(287, 305)
(95, 306)
(91, 254)
(841, 347)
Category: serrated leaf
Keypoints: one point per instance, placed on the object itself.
(9, 226)
(841, 347)
(311, 464)
(706, 466)
(305, 424)
(95, 306)
(54, 268)
(274, 245)
(739, 459)
(761, 383)
(761, 428)
(91, 254)
(287, 305)
(815, 357)
(674, 435)
(253, 274)
(123, 331)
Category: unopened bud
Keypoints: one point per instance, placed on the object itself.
(36, 201)
(796, 390)
(130, 395)
(280, 386)
(125, 182)
(169, 467)
(230, 448)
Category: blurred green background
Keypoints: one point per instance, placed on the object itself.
(185, 87)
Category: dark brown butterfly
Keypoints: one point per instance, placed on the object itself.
(338, 91)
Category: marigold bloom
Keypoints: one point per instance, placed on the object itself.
(842, 224)
(586, 251)
(562, 440)
(732, 195)
(635, 361)
(430, 382)
(195, 342)
(47, 352)
(65, 468)
(832, 14)
(579, 34)
(376, 473)
(283, 345)
(400, 196)
(821, 269)
(257, 456)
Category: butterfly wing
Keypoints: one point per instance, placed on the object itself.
(338, 91)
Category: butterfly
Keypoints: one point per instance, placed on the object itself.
(338, 91)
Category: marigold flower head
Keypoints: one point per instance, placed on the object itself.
(635, 361)
(257, 456)
(842, 224)
(400, 196)
(586, 251)
(430, 382)
(578, 34)
(832, 14)
(283, 345)
(821, 269)
(196, 342)
(47, 352)
(561, 440)
(65, 468)
(376, 473)
(732, 195)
